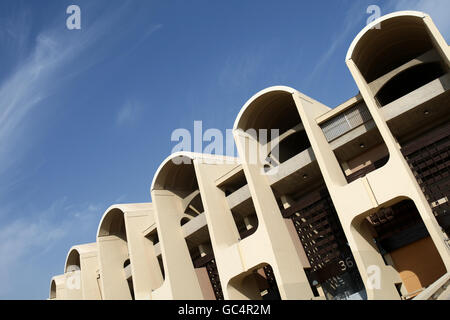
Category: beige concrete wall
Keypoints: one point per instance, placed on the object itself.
(87, 272)
(144, 264)
(113, 252)
(115, 248)
(58, 288)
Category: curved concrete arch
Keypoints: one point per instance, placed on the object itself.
(81, 249)
(374, 23)
(81, 268)
(104, 225)
(58, 288)
(271, 119)
(255, 97)
(121, 236)
(402, 36)
(189, 156)
(72, 259)
(52, 295)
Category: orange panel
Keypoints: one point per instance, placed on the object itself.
(418, 263)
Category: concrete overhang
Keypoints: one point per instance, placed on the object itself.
(124, 209)
(88, 249)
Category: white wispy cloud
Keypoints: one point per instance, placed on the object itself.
(241, 67)
(129, 112)
(35, 79)
(354, 16)
(55, 58)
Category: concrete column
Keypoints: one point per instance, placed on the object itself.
(222, 228)
(89, 265)
(144, 264)
(181, 280)
(272, 231)
(113, 251)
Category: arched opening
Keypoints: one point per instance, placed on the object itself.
(400, 38)
(273, 122)
(184, 220)
(259, 283)
(73, 261)
(73, 275)
(53, 290)
(58, 289)
(404, 243)
(113, 224)
(408, 81)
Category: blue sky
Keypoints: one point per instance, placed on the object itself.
(86, 115)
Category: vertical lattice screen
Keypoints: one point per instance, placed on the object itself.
(209, 262)
(320, 232)
(346, 121)
(429, 159)
(213, 275)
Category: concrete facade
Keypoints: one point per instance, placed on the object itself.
(349, 202)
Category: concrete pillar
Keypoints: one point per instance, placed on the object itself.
(181, 280)
(144, 264)
(272, 231)
(113, 251)
(89, 265)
